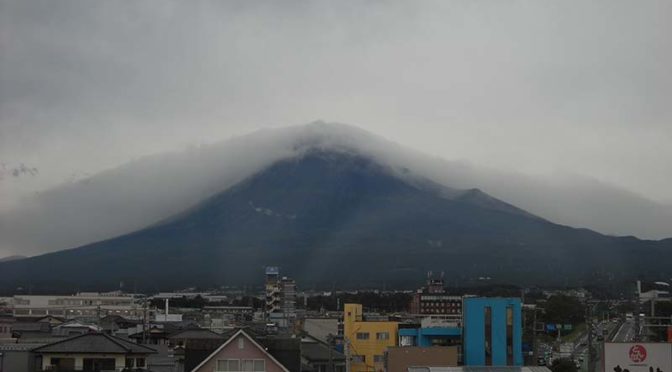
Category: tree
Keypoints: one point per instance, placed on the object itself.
(563, 365)
(564, 309)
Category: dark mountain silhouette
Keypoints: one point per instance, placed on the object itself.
(333, 218)
(12, 258)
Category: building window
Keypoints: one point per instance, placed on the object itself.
(509, 335)
(241, 343)
(488, 335)
(362, 335)
(130, 362)
(140, 362)
(379, 358)
(258, 365)
(383, 336)
(359, 359)
(226, 365)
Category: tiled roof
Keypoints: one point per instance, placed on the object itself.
(316, 351)
(95, 343)
(198, 333)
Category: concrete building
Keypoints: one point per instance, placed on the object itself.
(18, 358)
(366, 341)
(400, 359)
(492, 332)
(431, 331)
(280, 299)
(433, 299)
(81, 305)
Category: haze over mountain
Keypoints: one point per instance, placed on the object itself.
(152, 188)
(327, 209)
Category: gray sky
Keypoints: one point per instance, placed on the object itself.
(540, 87)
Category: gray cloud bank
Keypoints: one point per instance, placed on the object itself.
(153, 188)
(574, 93)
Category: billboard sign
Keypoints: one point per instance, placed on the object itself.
(637, 357)
(272, 270)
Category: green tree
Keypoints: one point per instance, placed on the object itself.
(564, 309)
(563, 365)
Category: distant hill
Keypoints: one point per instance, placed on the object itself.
(338, 218)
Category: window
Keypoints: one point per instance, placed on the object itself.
(130, 362)
(140, 362)
(488, 335)
(382, 336)
(362, 335)
(241, 343)
(359, 359)
(379, 359)
(225, 365)
(258, 365)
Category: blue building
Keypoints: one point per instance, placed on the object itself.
(492, 331)
(429, 336)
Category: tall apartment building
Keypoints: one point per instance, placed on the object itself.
(280, 298)
(366, 341)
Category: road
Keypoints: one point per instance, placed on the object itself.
(626, 333)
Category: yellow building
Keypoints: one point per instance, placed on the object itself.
(367, 341)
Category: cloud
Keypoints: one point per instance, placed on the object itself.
(154, 188)
(537, 87)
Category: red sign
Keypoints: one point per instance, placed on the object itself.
(637, 353)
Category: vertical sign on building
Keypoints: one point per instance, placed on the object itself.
(637, 357)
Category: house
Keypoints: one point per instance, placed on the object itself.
(240, 353)
(320, 356)
(93, 352)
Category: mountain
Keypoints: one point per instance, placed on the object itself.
(12, 258)
(337, 217)
(151, 188)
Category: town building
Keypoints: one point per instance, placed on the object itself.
(319, 356)
(240, 353)
(430, 331)
(280, 299)
(400, 359)
(434, 300)
(93, 352)
(367, 341)
(81, 305)
(492, 331)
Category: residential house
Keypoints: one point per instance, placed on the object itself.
(240, 353)
(93, 352)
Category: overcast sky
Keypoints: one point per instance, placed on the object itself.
(536, 86)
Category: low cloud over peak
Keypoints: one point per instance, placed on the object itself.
(155, 187)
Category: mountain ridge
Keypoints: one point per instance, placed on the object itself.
(337, 214)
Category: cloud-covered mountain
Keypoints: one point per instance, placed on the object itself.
(152, 188)
(337, 217)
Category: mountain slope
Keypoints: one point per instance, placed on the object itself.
(333, 217)
(138, 193)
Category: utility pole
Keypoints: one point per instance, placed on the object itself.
(535, 357)
(638, 290)
(589, 326)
